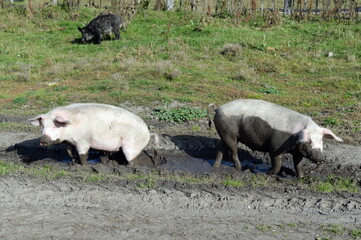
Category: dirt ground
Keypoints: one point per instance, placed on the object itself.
(68, 208)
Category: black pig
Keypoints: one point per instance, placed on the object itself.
(102, 24)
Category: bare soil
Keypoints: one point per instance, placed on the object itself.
(68, 208)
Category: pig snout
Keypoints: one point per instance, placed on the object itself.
(316, 156)
(313, 154)
(46, 141)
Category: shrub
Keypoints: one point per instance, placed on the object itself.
(179, 115)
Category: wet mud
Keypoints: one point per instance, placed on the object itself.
(69, 208)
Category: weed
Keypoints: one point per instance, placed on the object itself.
(258, 180)
(60, 88)
(334, 183)
(355, 234)
(291, 225)
(20, 100)
(43, 171)
(149, 183)
(231, 50)
(330, 122)
(7, 168)
(232, 182)
(196, 128)
(264, 228)
(179, 115)
(61, 174)
(333, 229)
(134, 176)
(94, 177)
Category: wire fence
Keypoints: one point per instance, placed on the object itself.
(298, 9)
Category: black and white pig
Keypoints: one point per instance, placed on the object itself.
(90, 125)
(267, 127)
(102, 24)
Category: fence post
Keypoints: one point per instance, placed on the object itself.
(287, 7)
(170, 5)
(193, 5)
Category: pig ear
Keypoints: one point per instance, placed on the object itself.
(304, 136)
(37, 121)
(329, 134)
(61, 121)
(80, 29)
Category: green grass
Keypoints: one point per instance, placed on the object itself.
(335, 183)
(161, 59)
(332, 184)
(233, 182)
(9, 168)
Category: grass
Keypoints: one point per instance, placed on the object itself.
(8, 168)
(228, 181)
(160, 58)
(337, 230)
(334, 183)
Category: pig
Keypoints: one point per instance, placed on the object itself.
(267, 127)
(102, 24)
(91, 125)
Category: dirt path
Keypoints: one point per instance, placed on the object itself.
(68, 208)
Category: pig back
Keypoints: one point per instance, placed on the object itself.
(261, 125)
(106, 123)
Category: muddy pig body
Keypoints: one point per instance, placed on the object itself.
(102, 24)
(98, 126)
(267, 127)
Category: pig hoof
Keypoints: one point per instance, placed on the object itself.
(104, 159)
(271, 173)
(300, 176)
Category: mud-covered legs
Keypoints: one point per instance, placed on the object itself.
(73, 154)
(276, 164)
(297, 164)
(231, 146)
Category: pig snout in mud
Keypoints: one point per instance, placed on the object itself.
(267, 127)
(315, 155)
(98, 126)
(46, 141)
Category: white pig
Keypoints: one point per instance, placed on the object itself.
(90, 125)
(268, 127)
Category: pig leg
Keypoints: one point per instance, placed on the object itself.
(98, 36)
(83, 158)
(276, 164)
(219, 155)
(117, 33)
(231, 143)
(297, 163)
(130, 153)
(83, 154)
(70, 149)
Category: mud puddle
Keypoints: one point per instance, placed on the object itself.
(205, 165)
(190, 154)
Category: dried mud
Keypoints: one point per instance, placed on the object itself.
(69, 208)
